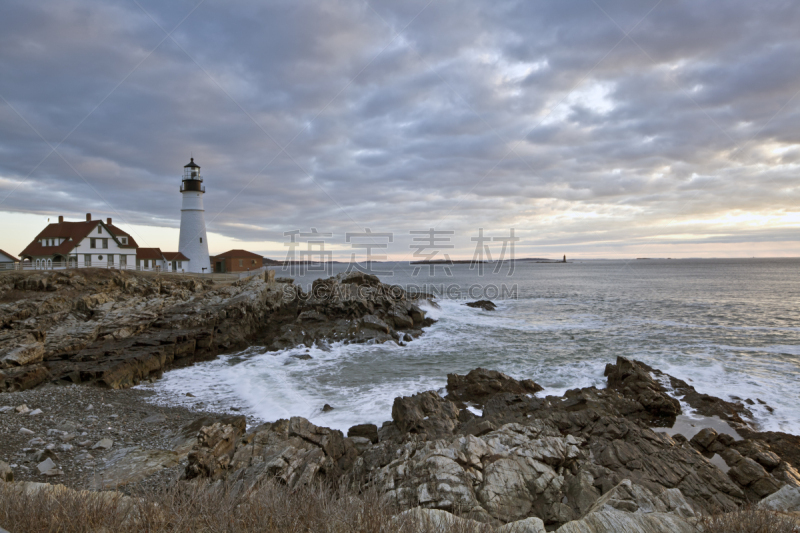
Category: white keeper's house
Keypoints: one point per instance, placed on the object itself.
(81, 244)
(94, 243)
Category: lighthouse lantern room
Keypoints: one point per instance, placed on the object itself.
(193, 242)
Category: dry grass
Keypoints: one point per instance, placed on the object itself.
(203, 508)
(749, 520)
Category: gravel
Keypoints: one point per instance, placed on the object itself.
(78, 427)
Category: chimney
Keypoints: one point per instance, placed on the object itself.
(60, 219)
(88, 217)
(108, 221)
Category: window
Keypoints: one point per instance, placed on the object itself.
(124, 240)
(254, 261)
(99, 257)
(99, 229)
(123, 261)
(240, 262)
(92, 243)
(147, 263)
(105, 243)
(201, 239)
(180, 264)
(110, 259)
(87, 260)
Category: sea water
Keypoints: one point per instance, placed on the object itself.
(729, 327)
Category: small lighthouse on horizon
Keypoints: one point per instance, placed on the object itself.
(193, 242)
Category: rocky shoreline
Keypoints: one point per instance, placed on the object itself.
(118, 328)
(490, 448)
(591, 460)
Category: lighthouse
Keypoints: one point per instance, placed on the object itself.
(193, 242)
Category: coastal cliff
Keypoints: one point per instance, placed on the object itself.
(118, 328)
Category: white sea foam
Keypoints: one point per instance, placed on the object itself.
(561, 340)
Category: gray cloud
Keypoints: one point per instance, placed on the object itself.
(400, 115)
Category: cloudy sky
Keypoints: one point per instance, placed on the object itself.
(599, 128)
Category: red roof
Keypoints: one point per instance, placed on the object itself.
(149, 253)
(9, 255)
(115, 231)
(174, 256)
(239, 254)
(72, 233)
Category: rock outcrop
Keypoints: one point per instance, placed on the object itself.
(589, 461)
(118, 328)
(480, 385)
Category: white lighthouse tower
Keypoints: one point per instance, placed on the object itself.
(193, 242)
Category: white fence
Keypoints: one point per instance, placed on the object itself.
(72, 265)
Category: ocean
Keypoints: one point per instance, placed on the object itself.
(730, 327)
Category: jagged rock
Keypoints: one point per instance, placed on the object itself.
(528, 525)
(46, 466)
(26, 354)
(587, 461)
(215, 447)
(634, 381)
(632, 498)
(486, 305)
(617, 522)
(6, 474)
(480, 385)
(786, 500)
(436, 520)
(129, 465)
(118, 328)
(704, 438)
(425, 413)
(367, 431)
(330, 440)
(104, 444)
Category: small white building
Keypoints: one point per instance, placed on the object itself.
(81, 244)
(154, 260)
(7, 261)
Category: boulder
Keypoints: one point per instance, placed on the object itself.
(435, 520)
(480, 385)
(103, 444)
(216, 444)
(26, 354)
(786, 500)
(331, 441)
(6, 474)
(634, 381)
(46, 466)
(486, 305)
(129, 465)
(618, 521)
(704, 438)
(186, 437)
(425, 413)
(632, 498)
(528, 525)
(367, 431)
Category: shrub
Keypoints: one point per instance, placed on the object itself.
(749, 519)
(200, 507)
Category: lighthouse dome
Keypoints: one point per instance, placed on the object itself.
(192, 181)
